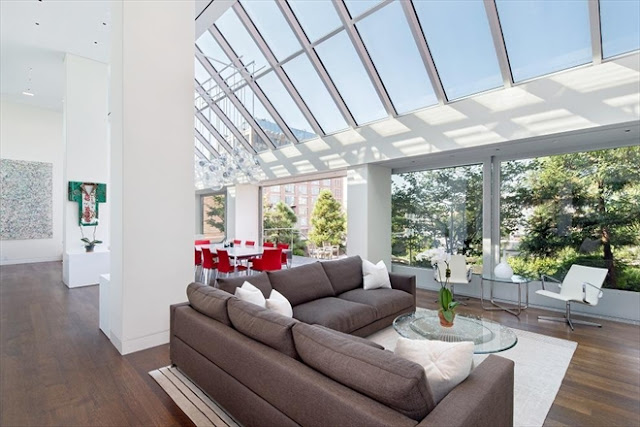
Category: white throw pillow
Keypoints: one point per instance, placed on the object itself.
(375, 275)
(446, 364)
(279, 303)
(249, 293)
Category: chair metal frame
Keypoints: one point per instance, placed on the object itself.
(438, 277)
(567, 316)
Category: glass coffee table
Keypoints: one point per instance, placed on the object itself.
(487, 336)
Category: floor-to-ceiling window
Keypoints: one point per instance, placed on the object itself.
(213, 225)
(309, 215)
(437, 208)
(578, 208)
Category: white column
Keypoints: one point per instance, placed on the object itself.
(86, 159)
(246, 213)
(151, 105)
(369, 213)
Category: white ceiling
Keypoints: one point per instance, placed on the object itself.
(78, 27)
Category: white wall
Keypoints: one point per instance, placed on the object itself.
(34, 134)
(152, 176)
(246, 213)
(369, 213)
(86, 145)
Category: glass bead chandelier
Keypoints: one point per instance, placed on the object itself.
(237, 167)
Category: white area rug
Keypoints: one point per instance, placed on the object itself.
(540, 365)
(193, 401)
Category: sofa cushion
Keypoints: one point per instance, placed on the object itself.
(209, 301)
(249, 293)
(260, 281)
(263, 325)
(385, 301)
(344, 274)
(334, 313)
(381, 375)
(353, 337)
(301, 284)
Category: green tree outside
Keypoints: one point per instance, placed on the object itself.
(328, 221)
(216, 212)
(279, 223)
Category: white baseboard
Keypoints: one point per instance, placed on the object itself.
(30, 260)
(142, 343)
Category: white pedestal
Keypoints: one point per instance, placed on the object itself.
(82, 268)
(105, 279)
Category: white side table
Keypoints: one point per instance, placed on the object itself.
(82, 268)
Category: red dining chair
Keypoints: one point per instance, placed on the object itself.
(250, 243)
(208, 264)
(268, 245)
(237, 242)
(203, 242)
(284, 259)
(224, 264)
(197, 260)
(270, 260)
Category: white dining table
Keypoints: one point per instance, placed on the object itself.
(238, 251)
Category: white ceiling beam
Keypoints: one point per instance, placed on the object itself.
(226, 47)
(596, 31)
(498, 42)
(222, 84)
(273, 62)
(210, 148)
(353, 34)
(425, 53)
(218, 112)
(317, 64)
(200, 154)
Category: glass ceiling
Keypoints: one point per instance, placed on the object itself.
(284, 71)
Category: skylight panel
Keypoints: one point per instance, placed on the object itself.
(314, 93)
(542, 37)
(286, 106)
(350, 77)
(317, 18)
(358, 7)
(395, 50)
(464, 54)
(273, 27)
(240, 40)
(262, 116)
(215, 55)
(201, 74)
(620, 26)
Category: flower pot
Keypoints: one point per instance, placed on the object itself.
(89, 248)
(444, 322)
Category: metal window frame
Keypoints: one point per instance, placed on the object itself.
(425, 52)
(596, 31)
(307, 47)
(223, 142)
(350, 27)
(498, 42)
(206, 143)
(228, 50)
(273, 62)
(232, 98)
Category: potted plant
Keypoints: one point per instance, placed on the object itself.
(89, 245)
(446, 304)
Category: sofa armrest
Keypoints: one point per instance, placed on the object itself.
(172, 316)
(484, 399)
(403, 282)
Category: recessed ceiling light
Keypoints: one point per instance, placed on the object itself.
(27, 93)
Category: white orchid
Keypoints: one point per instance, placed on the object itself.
(437, 255)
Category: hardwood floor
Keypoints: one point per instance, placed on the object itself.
(57, 368)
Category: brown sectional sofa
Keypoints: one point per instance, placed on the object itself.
(314, 369)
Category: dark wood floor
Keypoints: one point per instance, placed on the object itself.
(57, 368)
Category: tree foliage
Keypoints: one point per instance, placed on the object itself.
(328, 221)
(216, 212)
(279, 225)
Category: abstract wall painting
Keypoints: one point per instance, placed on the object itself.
(26, 199)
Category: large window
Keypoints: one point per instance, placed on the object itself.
(312, 221)
(437, 208)
(214, 216)
(580, 208)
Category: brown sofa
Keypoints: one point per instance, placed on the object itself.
(267, 369)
